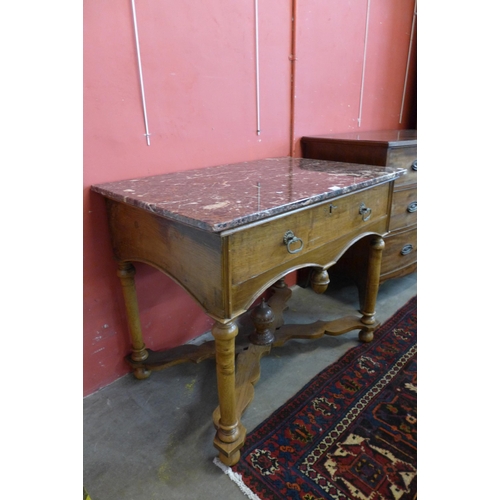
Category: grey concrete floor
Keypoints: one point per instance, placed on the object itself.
(152, 439)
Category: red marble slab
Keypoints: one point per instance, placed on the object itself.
(227, 196)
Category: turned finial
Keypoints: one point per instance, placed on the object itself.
(263, 319)
(320, 281)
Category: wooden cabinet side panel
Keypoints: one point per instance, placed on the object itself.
(402, 157)
(350, 152)
(192, 257)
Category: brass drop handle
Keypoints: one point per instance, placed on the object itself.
(289, 239)
(412, 207)
(414, 165)
(406, 249)
(365, 212)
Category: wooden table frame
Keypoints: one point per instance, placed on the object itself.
(227, 271)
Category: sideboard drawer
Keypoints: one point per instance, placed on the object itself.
(404, 158)
(400, 251)
(257, 249)
(404, 209)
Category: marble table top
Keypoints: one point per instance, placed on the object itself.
(227, 196)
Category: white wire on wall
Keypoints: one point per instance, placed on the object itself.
(364, 65)
(257, 75)
(408, 61)
(147, 134)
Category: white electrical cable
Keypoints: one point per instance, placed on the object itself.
(147, 134)
(364, 64)
(408, 61)
(257, 76)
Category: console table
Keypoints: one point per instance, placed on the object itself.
(228, 233)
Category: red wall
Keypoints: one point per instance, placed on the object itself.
(199, 75)
(331, 38)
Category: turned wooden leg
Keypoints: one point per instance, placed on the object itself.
(230, 434)
(320, 280)
(126, 273)
(263, 321)
(371, 289)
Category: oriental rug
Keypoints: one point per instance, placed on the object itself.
(350, 433)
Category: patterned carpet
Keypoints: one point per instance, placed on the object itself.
(351, 433)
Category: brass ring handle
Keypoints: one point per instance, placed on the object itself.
(406, 249)
(412, 207)
(289, 238)
(414, 165)
(365, 212)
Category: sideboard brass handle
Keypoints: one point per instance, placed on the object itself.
(412, 207)
(414, 165)
(289, 239)
(365, 212)
(407, 249)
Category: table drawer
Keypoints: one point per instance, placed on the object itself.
(257, 249)
(404, 209)
(404, 158)
(400, 251)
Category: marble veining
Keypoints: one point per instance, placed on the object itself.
(227, 196)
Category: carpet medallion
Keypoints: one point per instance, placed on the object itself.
(350, 433)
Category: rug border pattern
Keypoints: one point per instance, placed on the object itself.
(309, 460)
(293, 407)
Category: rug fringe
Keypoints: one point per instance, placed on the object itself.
(236, 478)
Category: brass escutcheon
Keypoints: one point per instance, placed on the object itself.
(365, 212)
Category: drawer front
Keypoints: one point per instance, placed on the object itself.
(400, 251)
(255, 250)
(404, 158)
(404, 209)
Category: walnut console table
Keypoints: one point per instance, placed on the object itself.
(228, 233)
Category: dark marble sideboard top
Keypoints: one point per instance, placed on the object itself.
(227, 196)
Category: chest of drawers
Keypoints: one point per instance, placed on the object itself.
(391, 148)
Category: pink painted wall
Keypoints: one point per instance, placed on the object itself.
(330, 58)
(198, 67)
